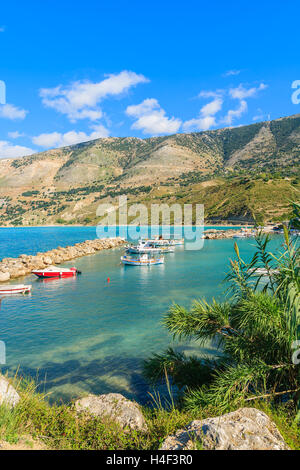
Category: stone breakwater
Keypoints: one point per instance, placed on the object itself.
(12, 268)
(217, 234)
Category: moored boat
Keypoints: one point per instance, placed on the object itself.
(142, 260)
(263, 272)
(143, 247)
(167, 249)
(54, 271)
(178, 241)
(159, 242)
(241, 235)
(15, 289)
(150, 247)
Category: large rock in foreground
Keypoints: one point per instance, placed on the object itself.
(244, 429)
(8, 395)
(4, 276)
(116, 407)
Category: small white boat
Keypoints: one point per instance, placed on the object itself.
(150, 247)
(178, 241)
(15, 289)
(264, 272)
(241, 235)
(142, 260)
(143, 247)
(167, 249)
(159, 242)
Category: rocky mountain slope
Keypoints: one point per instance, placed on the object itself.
(238, 173)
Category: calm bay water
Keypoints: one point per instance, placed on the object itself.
(87, 335)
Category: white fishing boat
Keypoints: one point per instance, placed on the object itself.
(15, 289)
(141, 260)
(241, 235)
(264, 272)
(150, 247)
(167, 249)
(143, 247)
(178, 241)
(163, 242)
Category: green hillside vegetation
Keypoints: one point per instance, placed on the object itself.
(241, 174)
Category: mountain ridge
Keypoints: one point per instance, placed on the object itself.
(85, 173)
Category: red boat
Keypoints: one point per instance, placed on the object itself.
(54, 271)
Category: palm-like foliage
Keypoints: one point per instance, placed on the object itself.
(295, 221)
(255, 330)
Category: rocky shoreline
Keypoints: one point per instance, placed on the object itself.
(213, 234)
(12, 268)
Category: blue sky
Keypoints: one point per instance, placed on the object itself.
(80, 70)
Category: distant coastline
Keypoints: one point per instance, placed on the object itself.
(121, 225)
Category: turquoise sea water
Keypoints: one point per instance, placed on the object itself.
(31, 240)
(88, 335)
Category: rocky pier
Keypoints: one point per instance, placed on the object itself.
(12, 268)
(214, 234)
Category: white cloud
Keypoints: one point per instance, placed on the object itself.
(236, 113)
(241, 93)
(259, 116)
(80, 99)
(211, 94)
(15, 135)
(91, 114)
(152, 119)
(210, 109)
(48, 140)
(8, 150)
(206, 119)
(143, 108)
(207, 116)
(231, 73)
(9, 111)
(56, 139)
(200, 124)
